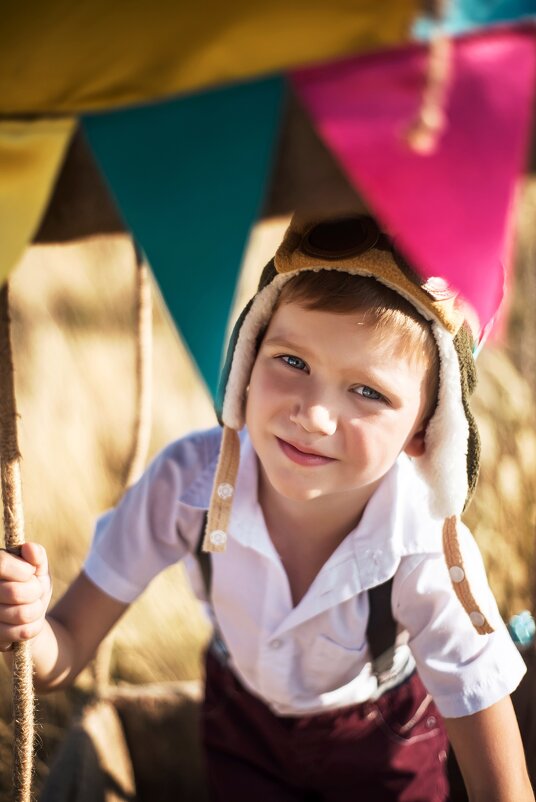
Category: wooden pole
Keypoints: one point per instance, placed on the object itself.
(23, 693)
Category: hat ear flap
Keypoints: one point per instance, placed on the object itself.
(267, 276)
(226, 369)
(463, 343)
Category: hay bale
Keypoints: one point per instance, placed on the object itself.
(139, 744)
(93, 764)
(161, 727)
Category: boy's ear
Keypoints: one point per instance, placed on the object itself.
(416, 446)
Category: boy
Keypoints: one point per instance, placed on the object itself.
(334, 510)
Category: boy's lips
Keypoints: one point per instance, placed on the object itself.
(302, 455)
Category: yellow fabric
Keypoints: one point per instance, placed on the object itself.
(66, 57)
(31, 154)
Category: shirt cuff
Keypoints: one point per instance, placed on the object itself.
(499, 681)
(108, 580)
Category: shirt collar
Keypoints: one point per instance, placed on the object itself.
(396, 521)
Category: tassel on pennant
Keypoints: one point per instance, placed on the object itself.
(423, 135)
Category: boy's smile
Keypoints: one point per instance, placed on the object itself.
(302, 455)
(331, 404)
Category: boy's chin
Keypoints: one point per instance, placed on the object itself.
(294, 492)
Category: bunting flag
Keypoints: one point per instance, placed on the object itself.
(189, 171)
(31, 154)
(449, 210)
(188, 177)
(64, 57)
(465, 15)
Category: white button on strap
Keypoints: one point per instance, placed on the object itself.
(218, 537)
(477, 618)
(457, 574)
(225, 491)
(276, 644)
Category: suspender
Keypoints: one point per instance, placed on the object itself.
(381, 627)
(204, 561)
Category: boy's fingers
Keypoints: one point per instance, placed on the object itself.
(21, 592)
(15, 569)
(36, 555)
(20, 614)
(10, 633)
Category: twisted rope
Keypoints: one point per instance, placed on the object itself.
(144, 347)
(424, 133)
(23, 694)
(140, 435)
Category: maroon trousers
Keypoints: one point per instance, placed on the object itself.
(391, 750)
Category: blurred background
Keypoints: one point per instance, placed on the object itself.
(187, 129)
(73, 309)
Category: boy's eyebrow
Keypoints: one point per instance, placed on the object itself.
(282, 340)
(288, 343)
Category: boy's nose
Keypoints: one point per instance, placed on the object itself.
(314, 418)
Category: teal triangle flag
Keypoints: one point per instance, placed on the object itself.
(188, 176)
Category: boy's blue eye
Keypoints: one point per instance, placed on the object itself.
(294, 362)
(368, 392)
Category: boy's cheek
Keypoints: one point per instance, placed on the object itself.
(265, 390)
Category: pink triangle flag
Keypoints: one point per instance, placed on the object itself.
(450, 210)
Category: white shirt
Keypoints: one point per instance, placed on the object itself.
(313, 656)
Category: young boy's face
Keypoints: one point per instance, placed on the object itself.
(332, 403)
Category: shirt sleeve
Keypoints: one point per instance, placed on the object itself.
(463, 671)
(149, 529)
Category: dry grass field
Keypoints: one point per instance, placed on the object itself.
(73, 313)
(73, 318)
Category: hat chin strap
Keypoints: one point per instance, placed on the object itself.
(444, 463)
(444, 468)
(462, 588)
(221, 500)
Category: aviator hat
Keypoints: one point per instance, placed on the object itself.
(450, 461)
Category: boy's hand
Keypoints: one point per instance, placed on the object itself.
(25, 591)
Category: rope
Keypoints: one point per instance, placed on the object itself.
(140, 435)
(23, 695)
(423, 135)
(144, 347)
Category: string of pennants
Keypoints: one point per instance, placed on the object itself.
(186, 134)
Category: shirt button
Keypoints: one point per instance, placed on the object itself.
(457, 574)
(477, 619)
(431, 721)
(225, 491)
(218, 537)
(276, 644)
